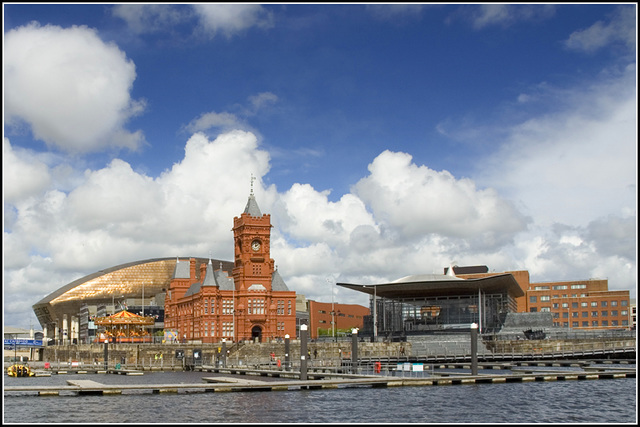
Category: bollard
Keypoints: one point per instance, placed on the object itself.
(303, 352)
(223, 355)
(474, 349)
(287, 363)
(106, 355)
(354, 351)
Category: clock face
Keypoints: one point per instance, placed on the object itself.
(255, 245)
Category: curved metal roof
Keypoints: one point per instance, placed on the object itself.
(416, 287)
(124, 280)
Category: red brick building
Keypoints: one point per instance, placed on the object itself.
(204, 303)
(326, 318)
(578, 304)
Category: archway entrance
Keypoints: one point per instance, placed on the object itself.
(256, 332)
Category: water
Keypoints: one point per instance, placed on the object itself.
(575, 401)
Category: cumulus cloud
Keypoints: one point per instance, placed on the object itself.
(25, 176)
(416, 200)
(70, 87)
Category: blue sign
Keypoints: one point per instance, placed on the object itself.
(23, 341)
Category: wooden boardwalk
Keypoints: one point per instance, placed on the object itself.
(236, 381)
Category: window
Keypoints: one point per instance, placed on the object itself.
(603, 303)
(624, 303)
(560, 287)
(594, 323)
(585, 324)
(604, 313)
(565, 305)
(584, 304)
(585, 314)
(594, 303)
(614, 303)
(541, 288)
(614, 313)
(579, 286)
(574, 314)
(594, 314)
(533, 299)
(605, 323)
(533, 309)
(556, 305)
(544, 298)
(545, 309)
(614, 323)
(574, 305)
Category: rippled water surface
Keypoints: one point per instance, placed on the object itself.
(575, 401)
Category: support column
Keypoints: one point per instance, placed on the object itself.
(65, 329)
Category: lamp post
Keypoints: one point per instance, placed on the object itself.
(333, 323)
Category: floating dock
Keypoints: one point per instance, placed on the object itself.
(236, 381)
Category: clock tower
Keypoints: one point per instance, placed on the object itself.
(253, 265)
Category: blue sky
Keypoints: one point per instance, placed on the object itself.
(387, 139)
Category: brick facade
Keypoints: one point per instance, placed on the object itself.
(253, 303)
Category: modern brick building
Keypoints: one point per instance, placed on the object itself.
(581, 304)
(578, 304)
(205, 303)
(332, 319)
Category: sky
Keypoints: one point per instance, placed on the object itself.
(385, 140)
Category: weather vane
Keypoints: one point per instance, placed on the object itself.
(253, 178)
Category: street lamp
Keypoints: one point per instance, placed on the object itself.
(333, 323)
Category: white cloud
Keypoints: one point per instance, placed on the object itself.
(577, 164)
(24, 175)
(620, 27)
(508, 14)
(417, 201)
(230, 19)
(151, 18)
(401, 219)
(70, 87)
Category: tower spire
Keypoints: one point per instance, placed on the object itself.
(253, 178)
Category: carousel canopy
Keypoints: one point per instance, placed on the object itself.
(124, 317)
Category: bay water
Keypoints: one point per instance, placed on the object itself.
(574, 401)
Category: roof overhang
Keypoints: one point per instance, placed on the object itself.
(423, 289)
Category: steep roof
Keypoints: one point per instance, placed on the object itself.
(277, 284)
(252, 207)
(182, 270)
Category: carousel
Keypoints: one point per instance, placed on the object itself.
(125, 327)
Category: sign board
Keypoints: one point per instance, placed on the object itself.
(24, 342)
(179, 354)
(418, 367)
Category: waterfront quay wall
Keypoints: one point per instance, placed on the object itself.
(164, 356)
(560, 345)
